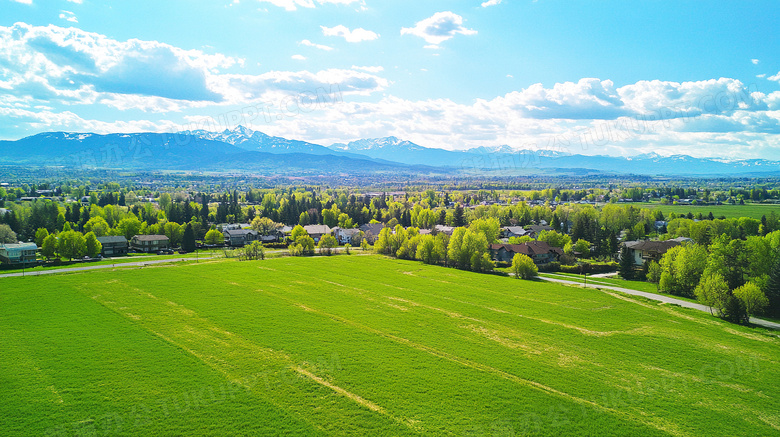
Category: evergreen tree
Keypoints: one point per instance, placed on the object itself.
(773, 291)
(626, 268)
(458, 216)
(188, 240)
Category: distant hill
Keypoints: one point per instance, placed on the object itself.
(505, 160)
(243, 149)
(183, 151)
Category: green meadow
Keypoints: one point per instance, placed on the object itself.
(368, 346)
(752, 210)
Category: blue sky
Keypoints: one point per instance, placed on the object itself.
(607, 77)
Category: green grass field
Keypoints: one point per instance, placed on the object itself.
(754, 210)
(367, 346)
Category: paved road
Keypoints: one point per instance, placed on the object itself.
(661, 298)
(108, 266)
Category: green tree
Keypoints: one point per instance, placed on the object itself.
(554, 238)
(266, 226)
(7, 236)
(188, 239)
(626, 266)
(487, 226)
(523, 267)
(713, 291)
(583, 248)
(298, 232)
(213, 236)
(98, 225)
(364, 245)
(93, 246)
(382, 243)
(426, 250)
(682, 268)
(753, 299)
(654, 272)
(49, 246)
(773, 291)
(254, 250)
(40, 235)
(72, 244)
(129, 227)
(326, 244)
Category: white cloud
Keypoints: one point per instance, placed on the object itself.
(775, 78)
(68, 16)
(491, 3)
(308, 43)
(370, 69)
(298, 57)
(45, 65)
(356, 35)
(438, 28)
(292, 5)
(26, 2)
(755, 61)
(78, 2)
(761, 76)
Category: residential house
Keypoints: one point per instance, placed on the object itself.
(372, 230)
(539, 251)
(444, 229)
(345, 236)
(240, 237)
(317, 231)
(149, 243)
(18, 254)
(643, 251)
(515, 231)
(535, 230)
(113, 245)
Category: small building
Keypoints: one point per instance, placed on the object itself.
(240, 237)
(444, 229)
(539, 251)
(345, 236)
(113, 245)
(643, 251)
(317, 231)
(149, 243)
(18, 254)
(535, 230)
(515, 231)
(372, 230)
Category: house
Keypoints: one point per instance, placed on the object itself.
(539, 251)
(345, 236)
(113, 245)
(643, 251)
(535, 230)
(149, 243)
(515, 231)
(372, 230)
(18, 254)
(444, 229)
(317, 231)
(240, 237)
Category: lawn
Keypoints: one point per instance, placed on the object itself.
(754, 210)
(367, 346)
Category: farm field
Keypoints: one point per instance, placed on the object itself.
(753, 210)
(366, 345)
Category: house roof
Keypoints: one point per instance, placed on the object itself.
(372, 228)
(112, 239)
(659, 247)
(539, 228)
(517, 230)
(19, 246)
(150, 238)
(317, 229)
(529, 248)
(352, 231)
(239, 232)
(444, 229)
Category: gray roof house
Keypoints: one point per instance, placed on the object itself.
(113, 245)
(240, 237)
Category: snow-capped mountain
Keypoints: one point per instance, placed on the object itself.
(249, 139)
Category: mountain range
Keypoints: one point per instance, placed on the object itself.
(242, 149)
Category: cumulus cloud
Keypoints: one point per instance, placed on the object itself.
(54, 64)
(775, 78)
(356, 35)
(438, 28)
(755, 61)
(26, 2)
(308, 43)
(491, 3)
(68, 16)
(298, 57)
